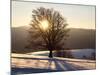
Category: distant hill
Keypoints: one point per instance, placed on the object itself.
(81, 38)
(19, 38)
(78, 39)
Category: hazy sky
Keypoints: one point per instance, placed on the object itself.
(77, 16)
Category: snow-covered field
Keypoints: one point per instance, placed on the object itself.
(81, 53)
(26, 64)
(77, 53)
(39, 62)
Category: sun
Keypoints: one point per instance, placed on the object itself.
(44, 24)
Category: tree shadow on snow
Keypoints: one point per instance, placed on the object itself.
(60, 65)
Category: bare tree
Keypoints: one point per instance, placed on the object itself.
(49, 25)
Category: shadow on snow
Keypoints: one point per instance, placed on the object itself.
(60, 65)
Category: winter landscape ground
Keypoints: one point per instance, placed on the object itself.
(38, 62)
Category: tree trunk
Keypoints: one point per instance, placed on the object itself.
(50, 54)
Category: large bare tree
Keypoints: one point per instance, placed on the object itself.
(49, 25)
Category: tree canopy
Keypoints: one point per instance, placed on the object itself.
(50, 26)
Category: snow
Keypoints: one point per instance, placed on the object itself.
(24, 64)
(38, 62)
(80, 53)
(76, 53)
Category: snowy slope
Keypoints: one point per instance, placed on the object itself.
(76, 53)
(80, 53)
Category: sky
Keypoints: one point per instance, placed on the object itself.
(77, 16)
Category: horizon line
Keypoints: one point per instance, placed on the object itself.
(67, 27)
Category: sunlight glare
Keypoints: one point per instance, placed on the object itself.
(44, 24)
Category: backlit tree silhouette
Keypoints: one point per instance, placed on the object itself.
(49, 25)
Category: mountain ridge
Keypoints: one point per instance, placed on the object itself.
(78, 38)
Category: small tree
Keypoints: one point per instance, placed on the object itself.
(50, 26)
